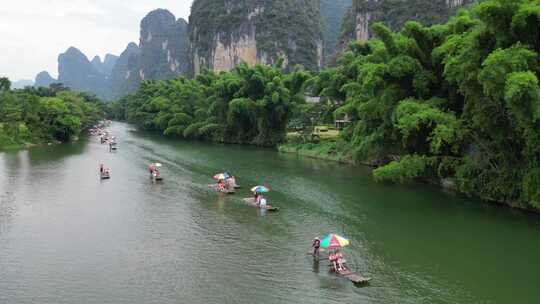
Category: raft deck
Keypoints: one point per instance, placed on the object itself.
(251, 202)
(216, 188)
(354, 277)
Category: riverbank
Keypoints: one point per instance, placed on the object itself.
(336, 150)
(37, 143)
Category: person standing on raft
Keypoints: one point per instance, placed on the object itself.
(316, 245)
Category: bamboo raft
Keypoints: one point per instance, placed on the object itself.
(354, 277)
(251, 202)
(156, 178)
(216, 188)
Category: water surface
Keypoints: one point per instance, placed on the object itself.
(67, 237)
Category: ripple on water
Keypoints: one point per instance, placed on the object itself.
(68, 237)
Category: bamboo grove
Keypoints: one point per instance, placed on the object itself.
(246, 105)
(458, 102)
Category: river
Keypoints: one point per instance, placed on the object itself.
(67, 237)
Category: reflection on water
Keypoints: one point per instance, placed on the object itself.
(68, 237)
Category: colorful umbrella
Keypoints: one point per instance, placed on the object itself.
(260, 189)
(333, 241)
(220, 176)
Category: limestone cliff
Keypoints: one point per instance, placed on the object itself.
(394, 13)
(75, 71)
(121, 80)
(104, 67)
(332, 12)
(162, 53)
(44, 79)
(228, 32)
(163, 45)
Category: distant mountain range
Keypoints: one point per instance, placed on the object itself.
(221, 34)
(21, 84)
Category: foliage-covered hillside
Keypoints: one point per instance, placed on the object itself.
(458, 101)
(33, 116)
(246, 105)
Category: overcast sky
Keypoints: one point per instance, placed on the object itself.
(34, 32)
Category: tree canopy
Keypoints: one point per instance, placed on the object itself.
(246, 105)
(456, 101)
(459, 100)
(38, 115)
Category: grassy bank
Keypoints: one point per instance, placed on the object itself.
(328, 149)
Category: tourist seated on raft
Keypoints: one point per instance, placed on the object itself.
(337, 261)
(230, 179)
(333, 260)
(258, 197)
(340, 264)
(230, 182)
(221, 185)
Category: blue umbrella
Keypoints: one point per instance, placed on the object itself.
(260, 189)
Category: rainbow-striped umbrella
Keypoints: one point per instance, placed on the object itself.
(333, 241)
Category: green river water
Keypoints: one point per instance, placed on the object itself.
(67, 237)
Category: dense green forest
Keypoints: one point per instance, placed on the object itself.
(40, 115)
(246, 105)
(457, 102)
